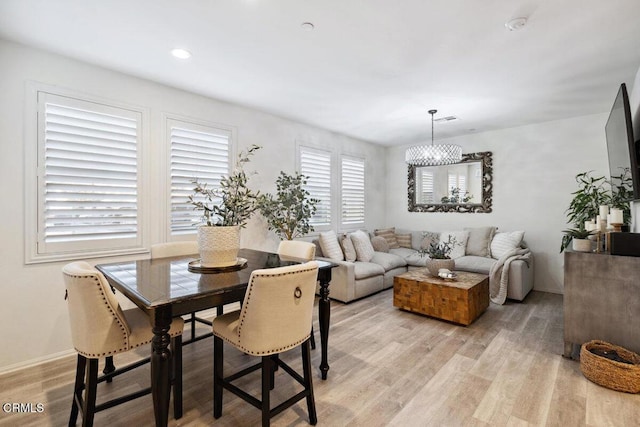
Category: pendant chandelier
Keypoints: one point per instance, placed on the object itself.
(434, 154)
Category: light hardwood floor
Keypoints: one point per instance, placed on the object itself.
(388, 367)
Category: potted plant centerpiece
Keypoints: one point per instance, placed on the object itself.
(440, 255)
(288, 212)
(225, 210)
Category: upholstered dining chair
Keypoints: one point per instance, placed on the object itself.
(275, 317)
(169, 249)
(297, 250)
(100, 328)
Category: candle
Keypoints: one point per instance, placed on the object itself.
(604, 211)
(616, 216)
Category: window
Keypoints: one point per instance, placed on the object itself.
(316, 164)
(197, 151)
(352, 192)
(87, 177)
(426, 187)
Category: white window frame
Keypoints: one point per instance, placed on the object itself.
(305, 147)
(352, 225)
(173, 120)
(36, 251)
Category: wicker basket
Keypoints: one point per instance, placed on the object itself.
(610, 373)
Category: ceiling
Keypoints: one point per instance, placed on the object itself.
(371, 68)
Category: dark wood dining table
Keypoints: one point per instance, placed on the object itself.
(165, 288)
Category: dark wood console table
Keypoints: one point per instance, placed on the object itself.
(601, 300)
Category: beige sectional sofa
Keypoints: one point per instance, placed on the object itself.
(357, 277)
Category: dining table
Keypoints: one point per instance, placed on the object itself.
(168, 287)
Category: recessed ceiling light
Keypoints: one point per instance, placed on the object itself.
(307, 26)
(515, 24)
(181, 53)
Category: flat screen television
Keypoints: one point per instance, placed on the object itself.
(622, 149)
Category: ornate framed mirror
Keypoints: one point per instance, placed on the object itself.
(461, 187)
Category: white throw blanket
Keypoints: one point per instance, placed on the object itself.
(499, 274)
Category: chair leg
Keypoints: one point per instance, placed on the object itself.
(176, 347)
(193, 326)
(91, 386)
(108, 367)
(217, 376)
(78, 386)
(308, 380)
(313, 339)
(267, 373)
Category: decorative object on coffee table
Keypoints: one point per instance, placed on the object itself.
(439, 255)
(610, 366)
(461, 301)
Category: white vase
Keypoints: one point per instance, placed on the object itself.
(581, 245)
(218, 246)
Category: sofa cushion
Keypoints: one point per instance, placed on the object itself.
(404, 240)
(388, 261)
(475, 264)
(479, 243)
(389, 234)
(403, 252)
(416, 260)
(460, 244)
(379, 244)
(347, 248)
(427, 238)
(330, 246)
(503, 243)
(362, 270)
(362, 243)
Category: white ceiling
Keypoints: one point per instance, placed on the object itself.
(371, 68)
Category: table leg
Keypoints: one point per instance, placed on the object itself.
(160, 365)
(324, 315)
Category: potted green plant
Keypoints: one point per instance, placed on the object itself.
(579, 238)
(440, 255)
(621, 193)
(592, 192)
(289, 211)
(224, 210)
(456, 197)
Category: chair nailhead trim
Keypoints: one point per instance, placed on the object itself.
(246, 305)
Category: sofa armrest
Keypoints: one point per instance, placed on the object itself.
(343, 278)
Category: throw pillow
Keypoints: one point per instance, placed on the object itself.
(479, 243)
(347, 248)
(429, 237)
(503, 243)
(460, 244)
(362, 243)
(379, 244)
(330, 246)
(389, 235)
(404, 240)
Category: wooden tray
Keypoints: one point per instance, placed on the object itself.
(195, 267)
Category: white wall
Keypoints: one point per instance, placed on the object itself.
(34, 313)
(534, 170)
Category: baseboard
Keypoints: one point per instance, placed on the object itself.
(37, 361)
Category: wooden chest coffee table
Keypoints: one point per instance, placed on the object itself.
(461, 300)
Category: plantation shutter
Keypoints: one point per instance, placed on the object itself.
(427, 187)
(352, 191)
(88, 175)
(316, 164)
(453, 183)
(200, 152)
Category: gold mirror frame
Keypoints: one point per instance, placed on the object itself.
(485, 159)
